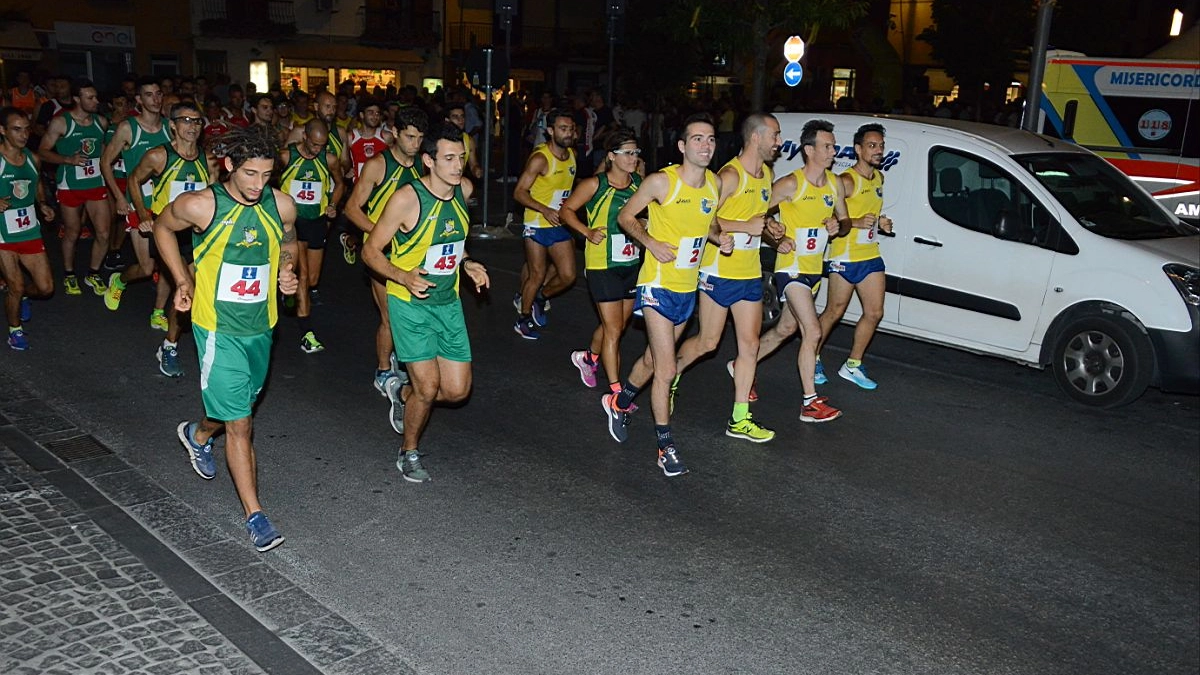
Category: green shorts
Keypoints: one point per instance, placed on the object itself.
(233, 369)
(421, 332)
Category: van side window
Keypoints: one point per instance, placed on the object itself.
(980, 196)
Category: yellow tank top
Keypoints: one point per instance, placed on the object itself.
(867, 197)
(683, 220)
(180, 175)
(751, 199)
(553, 187)
(801, 217)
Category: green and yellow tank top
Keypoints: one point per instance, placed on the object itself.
(802, 217)
(395, 176)
(617, 249)
(18, 186)
(682, 220)
(141, 142)
(237, 266)
(179, 175)
(336, 143)
(437, 244)
(867, 197)
(749, 200)
(553, 187)
(309, 182)
(88, 140)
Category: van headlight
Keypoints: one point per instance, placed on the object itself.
(1186, 280)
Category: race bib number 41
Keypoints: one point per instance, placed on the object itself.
(444, 258)
(623, 250)
(243, 284)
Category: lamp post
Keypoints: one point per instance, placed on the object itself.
(507, 9)
(615, 10)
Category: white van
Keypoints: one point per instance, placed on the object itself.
(1032, 249)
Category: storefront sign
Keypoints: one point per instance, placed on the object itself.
(94, 34)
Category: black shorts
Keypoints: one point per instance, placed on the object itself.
(312, 231)
(612, 284)
(184, 238)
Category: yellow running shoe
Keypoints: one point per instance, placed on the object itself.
(749, 430)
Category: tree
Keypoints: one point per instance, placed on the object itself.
(979, 43)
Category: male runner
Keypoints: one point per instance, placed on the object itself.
(75, 141)
(457, 115)
(546, 181)
(682, 203)
(245, 246)
(855, 264)
(368, 140)
(732, 284)
(426, 224)
(312, 175)
(379, 179)
(22, 200)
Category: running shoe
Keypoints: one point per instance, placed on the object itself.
(410, 467)
(587, 369)
(310, 344)
(262, 533)
(670, 463)
(749, 430)
(26, 309)
(71, 285)
(95, 283)
(396, 410)
(381, 378)
(819, 375)
(349, 253)
(168, 361)
(314, 296)
(17, 340)
(112, 296)
(527, 329)
(857, 376)
(158, 320)
(538, 311)
(201, 456)
(753, 385)
(819, 411)
(618, 420)
(113, 262)
(517, 301)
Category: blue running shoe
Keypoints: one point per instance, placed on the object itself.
(857, 376)
(26, 310)
(262, 532)
(669, 462)
(201, 456)
(17, 340)
(618, 420)
(527, 329)
(819, 377)
(539, 308)
(168, 360)
(517, 301)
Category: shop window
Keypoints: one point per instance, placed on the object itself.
(843, 85)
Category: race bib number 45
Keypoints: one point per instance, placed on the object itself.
(306, 191)
(244, 284)
(444, 258)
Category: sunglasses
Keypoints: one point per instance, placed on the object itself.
(635, 152)
(188, 120)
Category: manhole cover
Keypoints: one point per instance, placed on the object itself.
(78, 449)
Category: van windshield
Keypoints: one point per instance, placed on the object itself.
(1103, 199)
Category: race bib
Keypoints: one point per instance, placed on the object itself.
(867, 236)
(119, 165)
(179, 187)
(558, 198)
(20, 220)
(746, 242)
(622, 249)
(87, 170)
(306, 191)
(811, 241)
(688, 255)
(148, 189)
(243, 284)
(444, 258)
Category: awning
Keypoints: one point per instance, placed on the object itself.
(341, 55)
(18, 42)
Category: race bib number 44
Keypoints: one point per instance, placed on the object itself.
(243, 284)
(688, 255)
(306, 191)
(444, 258)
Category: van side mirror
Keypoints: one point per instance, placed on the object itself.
(1006, 226)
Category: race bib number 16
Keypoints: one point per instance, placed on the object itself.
(244, 284)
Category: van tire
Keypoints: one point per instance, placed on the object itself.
(772, 308)
(1103, 361)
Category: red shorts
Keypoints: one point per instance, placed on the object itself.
(121, 183)
(77, 198)
(31, 247)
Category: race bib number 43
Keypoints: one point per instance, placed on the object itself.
(444, 258)
(244, 284)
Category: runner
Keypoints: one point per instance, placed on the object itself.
(121, 107)
(312, 175)
(245, 248)
(457, 115)
(368, 140)
(22, 201)
(75, 141)
(378, 180)
(611, 259)
(732, 284)
(682, 203)
(338, 146)
(426, 224)
(812, 207)
(544, 184)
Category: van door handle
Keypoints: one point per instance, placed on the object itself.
(928, 242)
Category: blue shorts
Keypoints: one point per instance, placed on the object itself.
(678, 307)
(855, 272)
(784, 279)
(726, 292)
(547, 236)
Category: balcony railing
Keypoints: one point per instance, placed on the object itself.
(469, 35)
(248, 18)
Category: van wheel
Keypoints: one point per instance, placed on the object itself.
(771, 307)
(1103, 361)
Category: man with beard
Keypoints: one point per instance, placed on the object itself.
(368, 140)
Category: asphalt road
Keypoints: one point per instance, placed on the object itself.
(963, 518)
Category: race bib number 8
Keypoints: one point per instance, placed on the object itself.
(812, 241)
(306, 191)
(243, 284)
(20, 220)
(179, 187)
(87, 170)
(622, 249)
(688, 255)
(444, 258)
